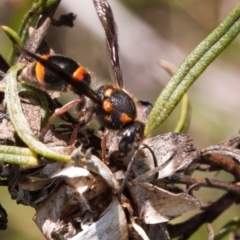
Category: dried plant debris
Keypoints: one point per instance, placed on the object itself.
(79, 199)
(156, 205)
(72, 198)
(172, 151)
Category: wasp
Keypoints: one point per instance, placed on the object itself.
(114, 107)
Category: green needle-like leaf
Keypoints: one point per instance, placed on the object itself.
(15, 39)
(38, 7)
(19, 121)
(192, 68)
(17, 155)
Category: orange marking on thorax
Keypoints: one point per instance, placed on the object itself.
(108, 92)
(125, 118)
(107, 106)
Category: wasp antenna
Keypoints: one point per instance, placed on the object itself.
(78, 87)
(106, 17)
(25, 52)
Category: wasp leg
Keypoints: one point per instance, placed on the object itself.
(58, 112)
(129, 168)
(74, 135)
(103, 147)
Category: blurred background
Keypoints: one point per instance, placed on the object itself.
(149, 30)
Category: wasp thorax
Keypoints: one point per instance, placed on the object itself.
(118, 108)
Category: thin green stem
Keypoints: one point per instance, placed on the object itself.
(184, 119)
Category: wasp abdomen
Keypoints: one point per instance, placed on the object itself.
(36, 74)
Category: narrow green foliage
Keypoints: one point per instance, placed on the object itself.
(38, 7)
(185, 115)
(192, 68)
(231, 226)
(19, 121)
(17, 155)
(37, 95)
(14, 37)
